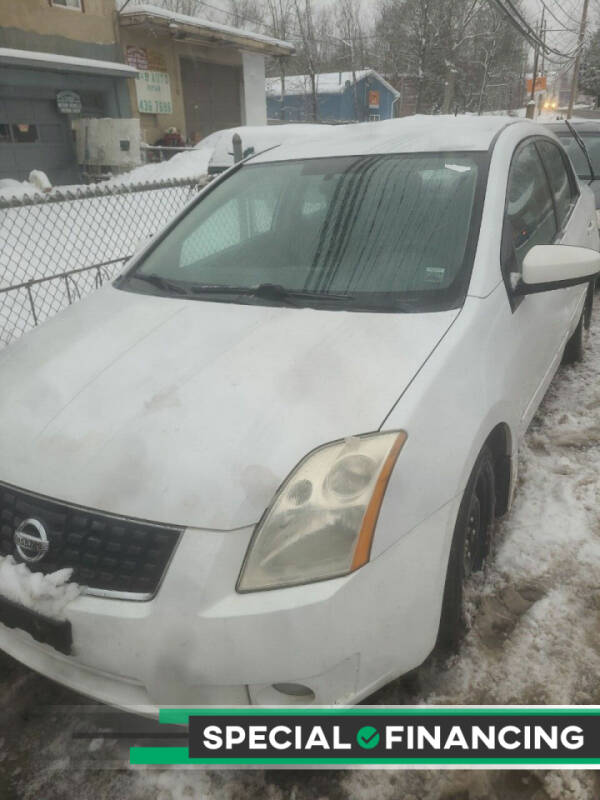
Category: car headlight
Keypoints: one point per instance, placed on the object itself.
(321, 521)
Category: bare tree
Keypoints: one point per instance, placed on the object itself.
(349, 29)
(304, 19)
(246, 14)
(453, 48)
(279, 14)
(190, 7)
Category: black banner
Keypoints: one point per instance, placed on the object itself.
(359, 737)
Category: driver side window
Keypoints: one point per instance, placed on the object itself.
(529, 215)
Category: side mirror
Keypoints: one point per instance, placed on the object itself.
(556, 266)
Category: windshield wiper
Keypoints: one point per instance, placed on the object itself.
(164, 284)
(581, 143)
(277, 292)
(271, 291)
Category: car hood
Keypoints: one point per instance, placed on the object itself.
(190, 412)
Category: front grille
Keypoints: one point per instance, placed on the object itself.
(108, 554)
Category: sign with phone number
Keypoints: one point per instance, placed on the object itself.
(154, 92)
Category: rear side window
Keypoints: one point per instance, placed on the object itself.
(564, 194)
(529, 207)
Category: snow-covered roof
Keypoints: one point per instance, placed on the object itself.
(32, 59)
(327, 83)
(406, 135)
(211, 31)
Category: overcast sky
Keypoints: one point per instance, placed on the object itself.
(561, 16)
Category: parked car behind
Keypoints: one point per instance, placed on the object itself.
(586, 163)
(273, 451)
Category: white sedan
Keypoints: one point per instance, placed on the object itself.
(274, 449)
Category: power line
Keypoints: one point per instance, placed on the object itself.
(556, 19)
(528, 32)
(540, 42)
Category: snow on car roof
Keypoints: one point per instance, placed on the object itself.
(262, 137)
(421, 133)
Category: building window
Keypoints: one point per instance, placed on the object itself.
(24, 133)
(374, 117)
(76, 5)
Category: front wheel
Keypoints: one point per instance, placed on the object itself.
(470, 547)
(575, 346)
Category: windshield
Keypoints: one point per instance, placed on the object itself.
(388, 232)
(580, 162)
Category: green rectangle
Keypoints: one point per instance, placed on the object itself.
(179, 755)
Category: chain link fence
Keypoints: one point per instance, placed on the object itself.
(57, 248)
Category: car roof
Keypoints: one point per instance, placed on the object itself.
(416, 134)
(260, 137)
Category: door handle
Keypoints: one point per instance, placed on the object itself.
(591, 225)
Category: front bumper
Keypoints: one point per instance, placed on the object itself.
(198, 642)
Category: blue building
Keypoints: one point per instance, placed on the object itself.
(341, 97)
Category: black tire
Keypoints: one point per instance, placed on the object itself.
(589, 306)
(575, 346)
(470, 547)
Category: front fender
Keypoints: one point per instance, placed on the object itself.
(460, 395)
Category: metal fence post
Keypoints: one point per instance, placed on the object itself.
(237, 148)
(68, 289)
(32, 304)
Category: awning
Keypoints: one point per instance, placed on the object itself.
(201, 31)
(31, 59)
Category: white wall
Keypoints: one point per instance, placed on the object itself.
(254, 99)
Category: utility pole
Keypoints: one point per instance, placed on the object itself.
(449, 89)
(580, 40)
(530, 112)
(544, 26)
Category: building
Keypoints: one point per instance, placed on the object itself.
(195, 75)
(59, 60)
(66, 61)
(340, 97)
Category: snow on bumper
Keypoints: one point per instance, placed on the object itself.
(199, 642)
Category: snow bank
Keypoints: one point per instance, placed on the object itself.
(11, 188)
(46, 594)
(187, 164)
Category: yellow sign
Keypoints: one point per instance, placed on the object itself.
(540, 84)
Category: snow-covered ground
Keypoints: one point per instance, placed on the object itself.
(534, 638)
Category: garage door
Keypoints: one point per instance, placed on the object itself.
(211, 96)
(34, 135)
